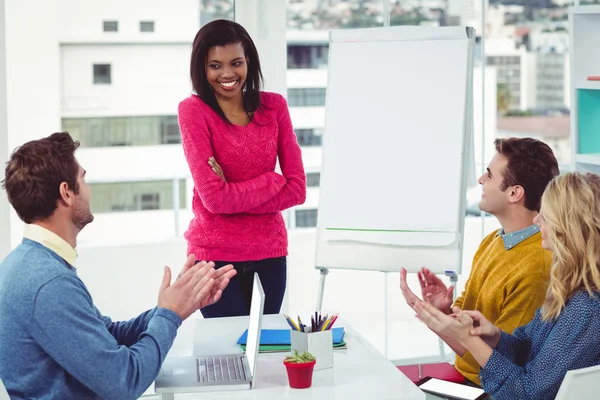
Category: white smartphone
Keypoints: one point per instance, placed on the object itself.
(452, 390)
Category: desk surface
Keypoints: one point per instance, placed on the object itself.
(359, 372)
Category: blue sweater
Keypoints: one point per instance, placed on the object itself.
(531, 363)
(55, 344)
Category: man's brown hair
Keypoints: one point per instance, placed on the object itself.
(531, 164)
(34, 173)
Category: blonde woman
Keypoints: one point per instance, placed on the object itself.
(565, 333)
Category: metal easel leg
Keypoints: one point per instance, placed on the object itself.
(442, 350)
(453, 279)
(385, 314)
(324, 272)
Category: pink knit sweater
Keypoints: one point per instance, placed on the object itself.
(240, 220)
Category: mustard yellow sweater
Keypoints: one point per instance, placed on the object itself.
(506, 286)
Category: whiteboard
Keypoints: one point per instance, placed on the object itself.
(396, 149)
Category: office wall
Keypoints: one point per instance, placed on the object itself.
(5, 232)
(265, 21)
(32, 76)
(146, 79)
(82, 21)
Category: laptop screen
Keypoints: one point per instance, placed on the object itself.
(256, 311)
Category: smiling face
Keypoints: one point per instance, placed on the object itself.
(226, 70)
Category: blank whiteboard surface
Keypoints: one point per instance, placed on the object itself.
(398, 130)
(394, 172)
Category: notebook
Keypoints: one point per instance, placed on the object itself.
(278, 340)
(282, 336)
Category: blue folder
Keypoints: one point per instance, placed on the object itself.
(282, 336)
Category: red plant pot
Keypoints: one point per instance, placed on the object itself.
(300, 374)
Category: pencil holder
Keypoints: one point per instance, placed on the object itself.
(319, 344)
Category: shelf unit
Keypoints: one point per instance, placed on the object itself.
(584, 28)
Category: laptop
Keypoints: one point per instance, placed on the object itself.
(221, 371)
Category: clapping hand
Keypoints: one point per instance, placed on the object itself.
(457, 326)
(434, 291)
(483, 328)
(198, 285)
(409, 296)
(185, 294)
(221, 276)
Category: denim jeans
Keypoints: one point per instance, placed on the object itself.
(236, 297)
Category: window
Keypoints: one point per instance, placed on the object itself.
(333, 14)
(313, 179)
(170, 130)
(110, 26)
(309, 137)
(123, 131)
(307, 56)
(135, 196)
(102, 74)
(306, 218)
(215, 9)
(146, 26)
(532, 81)
(148, 201)
(306, 97)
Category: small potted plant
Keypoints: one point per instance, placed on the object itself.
(300, 369)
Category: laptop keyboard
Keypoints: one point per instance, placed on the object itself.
(221, 369)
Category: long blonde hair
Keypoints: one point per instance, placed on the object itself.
(571, 210)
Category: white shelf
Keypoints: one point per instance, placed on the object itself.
(590, 159)
(593, 85)
(579, 10)
(584, 31)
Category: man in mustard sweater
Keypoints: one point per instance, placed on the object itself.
(511, 271)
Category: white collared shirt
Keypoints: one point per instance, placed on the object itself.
(51, 241)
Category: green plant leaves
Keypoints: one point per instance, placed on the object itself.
(300, 358)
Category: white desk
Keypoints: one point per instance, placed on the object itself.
(360, 372)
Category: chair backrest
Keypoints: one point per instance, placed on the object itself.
(581, 383)
(3, 392)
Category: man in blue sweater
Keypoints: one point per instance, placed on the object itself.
(54, 343)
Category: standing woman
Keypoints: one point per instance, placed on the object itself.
(233, 134)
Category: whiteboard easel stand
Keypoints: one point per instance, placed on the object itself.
(465, 151)
(323, 272)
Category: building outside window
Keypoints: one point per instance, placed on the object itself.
(102, 74)
(135, 196)
(123, 131)
(306, 218)
(215, 9)
(313, 179)
(110, 26)
(306, 97)
(307, 56)
(309, 137)
(146, 26)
